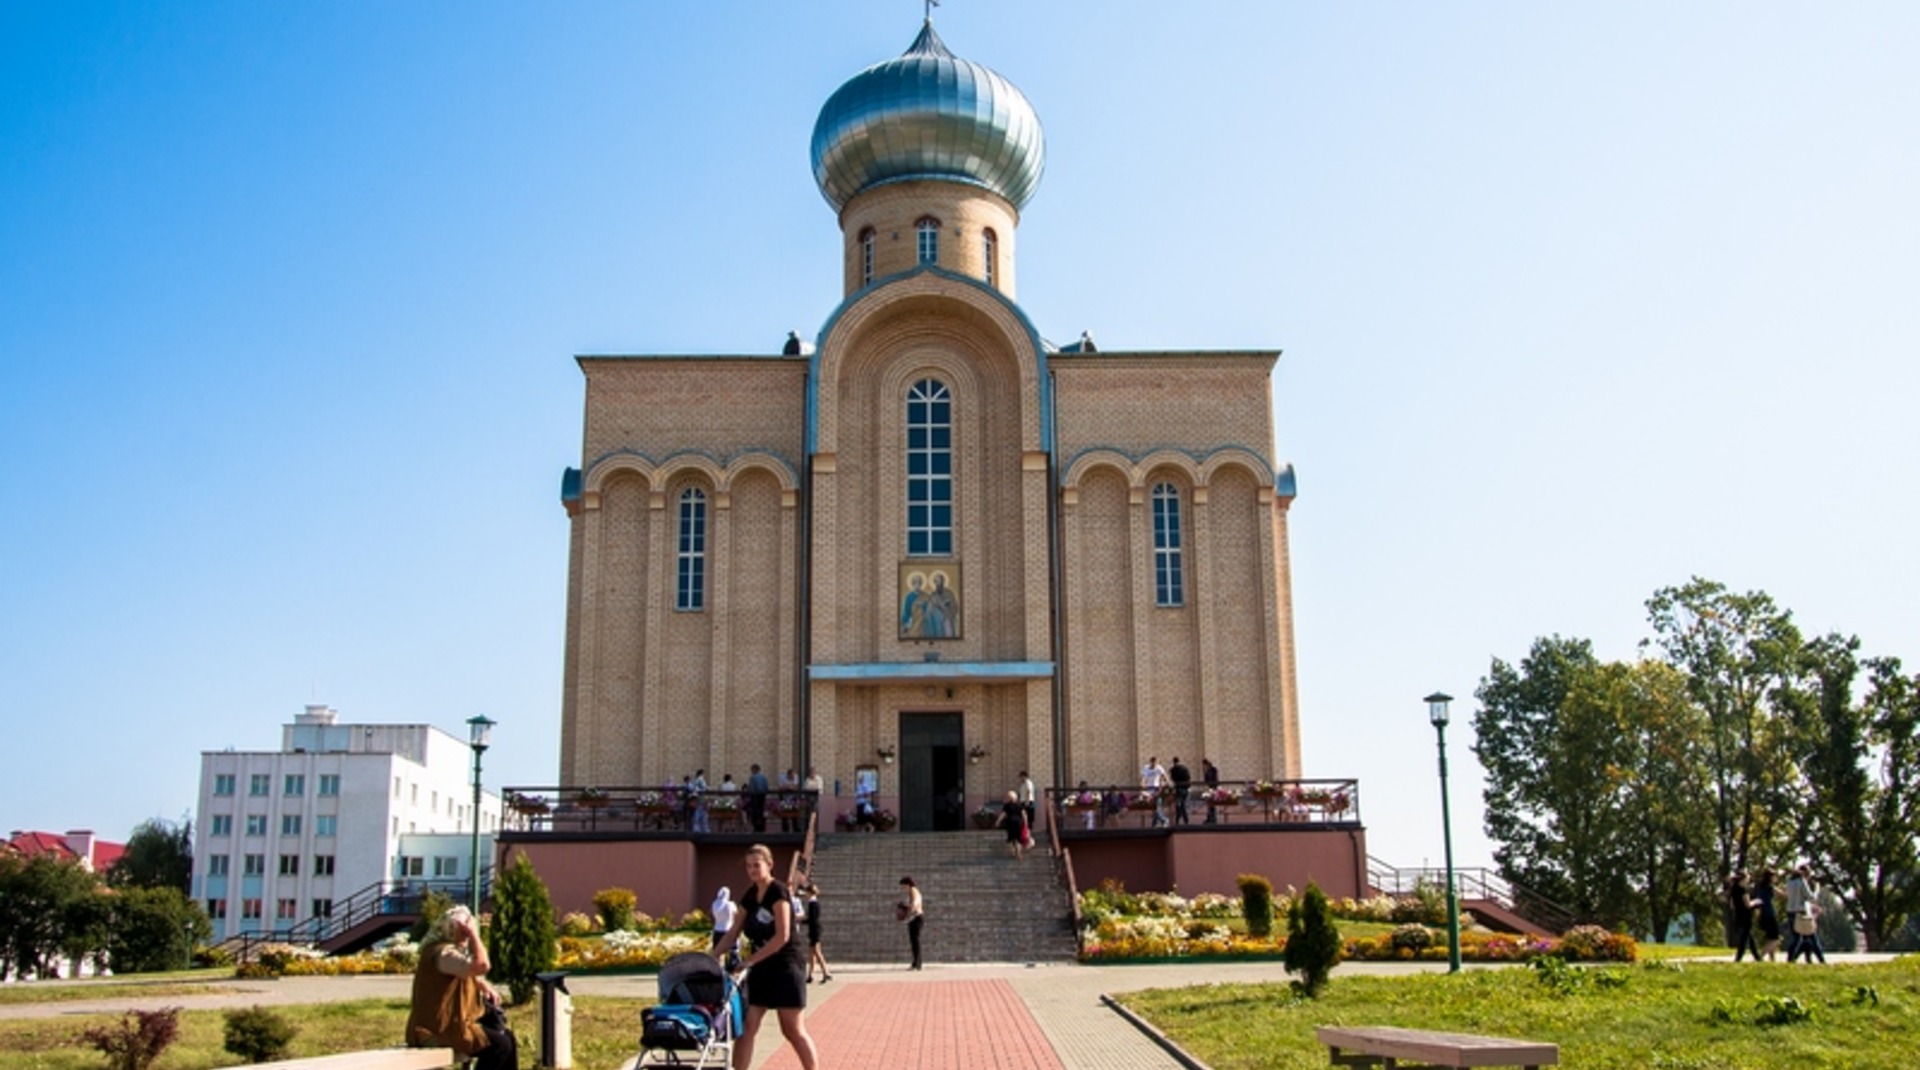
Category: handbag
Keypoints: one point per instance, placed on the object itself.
(1805, 925)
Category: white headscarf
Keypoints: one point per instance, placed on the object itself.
(723, 910)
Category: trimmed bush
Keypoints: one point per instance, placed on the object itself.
(615, 907)
(1256, 903)
(258, 1035)
(1313, 941)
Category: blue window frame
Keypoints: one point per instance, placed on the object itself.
(929, 469)
(1169, 585)
(693, 551)
(927, 234)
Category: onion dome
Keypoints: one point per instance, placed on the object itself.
(927, 115)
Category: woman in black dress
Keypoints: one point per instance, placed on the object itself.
(775, 980)
(815, 956)
(1767, 920)
(1740, 918)
(1013, 817)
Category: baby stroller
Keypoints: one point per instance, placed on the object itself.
(697, 1017)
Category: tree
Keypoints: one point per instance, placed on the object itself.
(1860, 823)
(521, 940)
(154, 929)
(1737, 650)
(1313, 941)
(37, 897)
(159, 854)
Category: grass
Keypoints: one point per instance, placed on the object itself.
(122, 989)
(1697, 1016)
(606, 1031)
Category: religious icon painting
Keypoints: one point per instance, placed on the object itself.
(930, 598)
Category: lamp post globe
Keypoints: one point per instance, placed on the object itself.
(479, 737)
(1437, 714)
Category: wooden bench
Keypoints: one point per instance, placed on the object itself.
(1386, 1046)
(377, 1059)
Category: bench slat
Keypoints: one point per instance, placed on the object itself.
(1440, 1049)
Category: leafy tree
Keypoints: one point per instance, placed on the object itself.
(1737, 651)
(37, 896)
(86, 924)
(1313, 941)
(1861, 822)
(155, 929)
(521, 941)
(159, 854)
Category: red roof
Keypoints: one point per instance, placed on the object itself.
(33, 844)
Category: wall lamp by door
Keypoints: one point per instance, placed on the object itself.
(978, 752)
(886, 753)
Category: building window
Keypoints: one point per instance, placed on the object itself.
(1169, 587)
(693, 550)
(286, 910)
(929, 469)
(396, 787)
(446, 866)
(217, 865)
(413, 791)
(250, 909)
(412, 866)
(258, 783)
(256, 824)
(290, 824)
(217, 909)
(289, 865)
(323, 865)
(223, 783)
(254, 866)
(990, 245)
(222, 825)
(323, 908)
(329, 783)
(325, 824)
(296, 784)
(866, 256)
(927, 236)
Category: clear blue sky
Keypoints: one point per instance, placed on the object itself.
(1577, 301)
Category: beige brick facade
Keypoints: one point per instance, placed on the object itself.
(1066, 662)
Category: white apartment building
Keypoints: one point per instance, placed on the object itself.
(280, 836)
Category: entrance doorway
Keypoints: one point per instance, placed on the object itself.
(932, 788)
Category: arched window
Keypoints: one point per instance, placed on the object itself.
(929, 469)
(928, 234)
(692, 595)
(866, 256)
(990, 245)
(1169, 587)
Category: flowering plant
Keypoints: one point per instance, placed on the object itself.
(649, 798)
(724, 802)
(1082, 799)
(1263, 786)
(1221, 797)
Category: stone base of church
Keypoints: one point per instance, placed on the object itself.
(1210, 858)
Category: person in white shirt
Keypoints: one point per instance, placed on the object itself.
(1026, 796)
(723, 919)
(1153, 776)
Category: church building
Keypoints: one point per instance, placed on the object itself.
(929, 549)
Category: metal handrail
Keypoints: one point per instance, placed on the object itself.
(1283, 803)
(1473, 882)
(591, 808)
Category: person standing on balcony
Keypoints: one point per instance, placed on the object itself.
(696, 792)
(757, 799)
(1153, 777)
(1182, 783)
(1210, 776)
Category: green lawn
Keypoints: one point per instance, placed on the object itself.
(606, 1032)
(1700, 1016)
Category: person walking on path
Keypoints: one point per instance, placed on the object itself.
(1803, 916)
(1210, 776)
(1182, 784)
(1766, 915)
(815, 956)
(1013, 818)
(773, 970)
(1740, 918)
(912, 910)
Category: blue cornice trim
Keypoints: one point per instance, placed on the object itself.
(1033, 339)
(889, 671)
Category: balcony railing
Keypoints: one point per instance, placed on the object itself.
(1289, 804)
(658, 810)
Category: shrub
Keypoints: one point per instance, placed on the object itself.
(257, 1034)
(1256, 902)
(1313, 942)
(576, 924)
(137, 1040)
(215, 956)
(1591, 943)
(1414, 937)
(694, 919)
(521, 940)
(615, 907)
(1780, 1010)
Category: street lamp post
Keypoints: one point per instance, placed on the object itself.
(479, 734)
(1437, 713)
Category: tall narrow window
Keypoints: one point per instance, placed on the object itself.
(929, 469)
(990, 245)
(928, 235)
(866, 256)
(1168, 585)
(693, 550)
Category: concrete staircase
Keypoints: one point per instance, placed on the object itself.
(981, 905)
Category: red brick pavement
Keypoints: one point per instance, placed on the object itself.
(934, 1025)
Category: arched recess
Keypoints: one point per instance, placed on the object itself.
(1103, 728)
(1234, 564)
(1080, 467)
(1236, 456)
